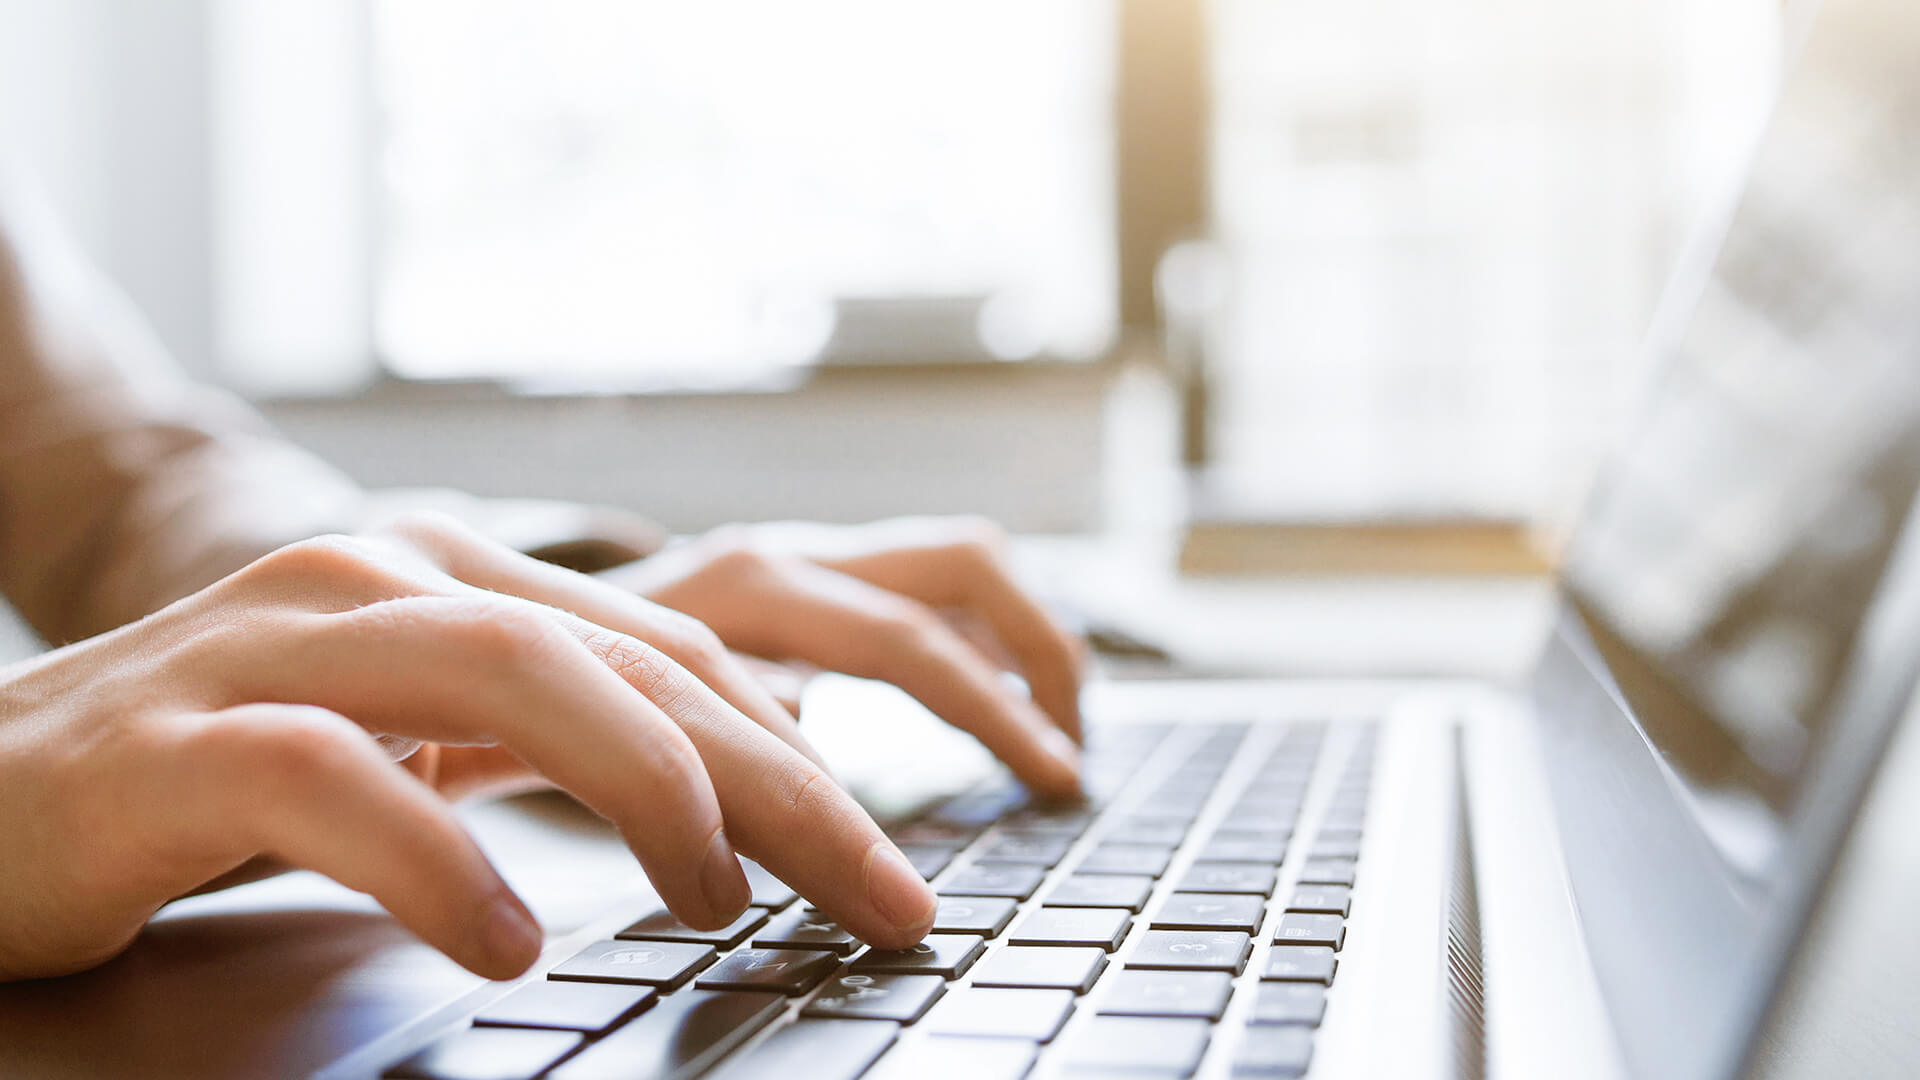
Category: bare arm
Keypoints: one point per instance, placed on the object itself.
(124, 486)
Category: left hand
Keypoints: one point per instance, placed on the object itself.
(928, 604)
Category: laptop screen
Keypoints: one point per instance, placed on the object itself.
(1730, 553)
(1744, 570)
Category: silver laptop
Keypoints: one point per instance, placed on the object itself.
(1602, 873)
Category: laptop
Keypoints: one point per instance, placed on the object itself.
(1603, 872)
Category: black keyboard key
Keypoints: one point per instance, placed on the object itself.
(1010, 1014)
(662, 926)
(1011, 880)
(488, 1054)
(816, 1049)
(1148, 831)
(682, 1036)
(1252, 879)
(1246, 847)
(928, 859)
(934, 834)
(1325, 899)
(1289, 1003)
(1100, 928)
(1168, 993)
(782, 971)
(1300, 928)
(1101, 890)
(573, 1006)
(647, 963)
(958, 1057)
(806, 929)
(1211, 911)
(1300, 963)
(1041, 969)
(1192, 950)
(858, 996)
(983, 915)
(1266, 1050)
(1035, 850)
(1154, 1045)
(768, 891)
(1327, 872)
(946, 955)
(1049, 820)
(1147, 860)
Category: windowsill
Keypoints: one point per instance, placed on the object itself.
(389, 389)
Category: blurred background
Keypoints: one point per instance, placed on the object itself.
(1062, 262)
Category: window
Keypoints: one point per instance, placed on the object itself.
(609, 190)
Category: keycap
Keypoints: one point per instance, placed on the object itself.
(1055, 820)
(1254, 879)
(1269, 1050)
(1340, 832)
(574, 1006)
(955, 1057)
(1289, 1003)
(648, 963)
(1101, 928)
(1167, 993)
(1099, 890)
(662, 926)
(946, 955)
(784, 971)
(768, 891)
(933, 834)
(1300, 928)
(680, 1037)
(1300, 963)
(1036, 850)
(816, 1049)
(1327, 899)
(1012, 1014)
(983, 915)
(1042, 969)
(1142, 859)
(1243, 849)
(1324, 848)
(1192, 950)
(1210, 911)
(1327, 872)
(806, 929)
(1139, 1044)
(488, 1053)
(1283, 795)
(995, 879)
(1259, 819)
(857, 995)
(979, 807)
(928, 859)
(1148, 831)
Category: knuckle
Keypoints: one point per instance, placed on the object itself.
(732, 549)
(497, 629)
(693, 642)
(429, 530)
(294, 745)
(328, 559)
(806, 793)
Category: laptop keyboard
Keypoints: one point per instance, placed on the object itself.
(1084, 940)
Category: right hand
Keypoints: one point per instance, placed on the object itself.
(239, 722)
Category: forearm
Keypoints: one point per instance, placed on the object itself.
(123, 486)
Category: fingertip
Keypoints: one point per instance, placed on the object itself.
(510, 940)
(723, 882)
(901, 896)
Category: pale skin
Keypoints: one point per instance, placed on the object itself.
(240, 723)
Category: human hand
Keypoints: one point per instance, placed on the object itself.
(928, 604)
(140, 764)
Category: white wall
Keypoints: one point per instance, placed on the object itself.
(103, 103)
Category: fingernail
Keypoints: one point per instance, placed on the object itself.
(722, 881)
(897, 890)
(1063, 750)
(513, 938)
